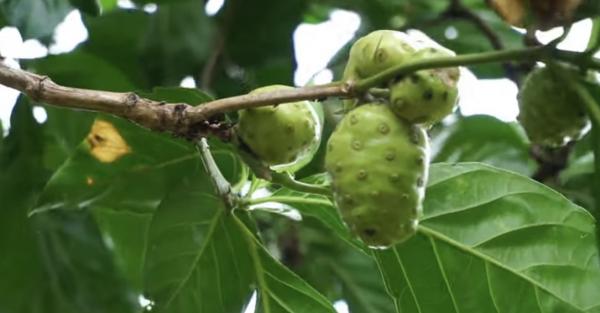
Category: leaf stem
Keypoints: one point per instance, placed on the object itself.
(222, 186)
(287, 200)
(283, 179)
(286, 180)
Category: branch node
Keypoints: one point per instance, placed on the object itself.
(35, 92)
(348, 87)
(131, 100)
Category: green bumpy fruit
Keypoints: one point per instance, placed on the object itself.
(284, 136)
(427, 96)
(550, 112)
(379, 166)
(376, 52)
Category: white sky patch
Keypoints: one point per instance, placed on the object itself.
(150, 8)
(341, 306)
(322, 77)
(316, 44)
(40, 115)
(188, 82)
(12, 45)
(451, 33)
(251, 306)
(145, 303)
(213, 7)
(497, 97)
(69, 33)
(576, 40)
(125, 4)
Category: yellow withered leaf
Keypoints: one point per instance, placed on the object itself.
(105, 142)
(541, 14)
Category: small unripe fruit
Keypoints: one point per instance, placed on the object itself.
(550, 112)
(427, 96)
(284, 136)
(376, 52)
(378, 164)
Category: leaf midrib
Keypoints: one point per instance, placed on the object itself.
(437, 236)
(209, 235)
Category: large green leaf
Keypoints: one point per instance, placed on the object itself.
(341, 271)
(116, 38)
(91, 7)
(258, 44)
(124, 193)
(34, 18)
(66, 128)
(203, 258)
(187, 30)
(494, 241)
(51, 262)
(483, 138)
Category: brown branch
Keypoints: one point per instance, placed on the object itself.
(180, 119)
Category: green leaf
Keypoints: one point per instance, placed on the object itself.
(124, 193)
(280, 290)
(197, 256)
(258, 49)
(594, 40)
(115, 37)
(91, 7)
(362, 287)
(483, 138)
(190, 96)
(490, 239)
(66, 128)
(35, 18)
(108, 5)
(315, 206)
(203, 258)
(188, 32)
(82, 69)
(52, 262)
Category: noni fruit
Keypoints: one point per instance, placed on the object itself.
(284, 136)
(427, 96)
(550, 112)
(378, 164)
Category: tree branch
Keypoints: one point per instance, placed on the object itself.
(193, 122)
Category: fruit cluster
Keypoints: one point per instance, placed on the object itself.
(378, 156)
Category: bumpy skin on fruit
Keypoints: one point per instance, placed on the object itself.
(375, 52)
(550, 112)
(379, 166)
(284, 136)
(426, 97)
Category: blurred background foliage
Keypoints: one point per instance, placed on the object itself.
(87, 257)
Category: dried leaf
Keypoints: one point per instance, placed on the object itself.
(105, 142)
